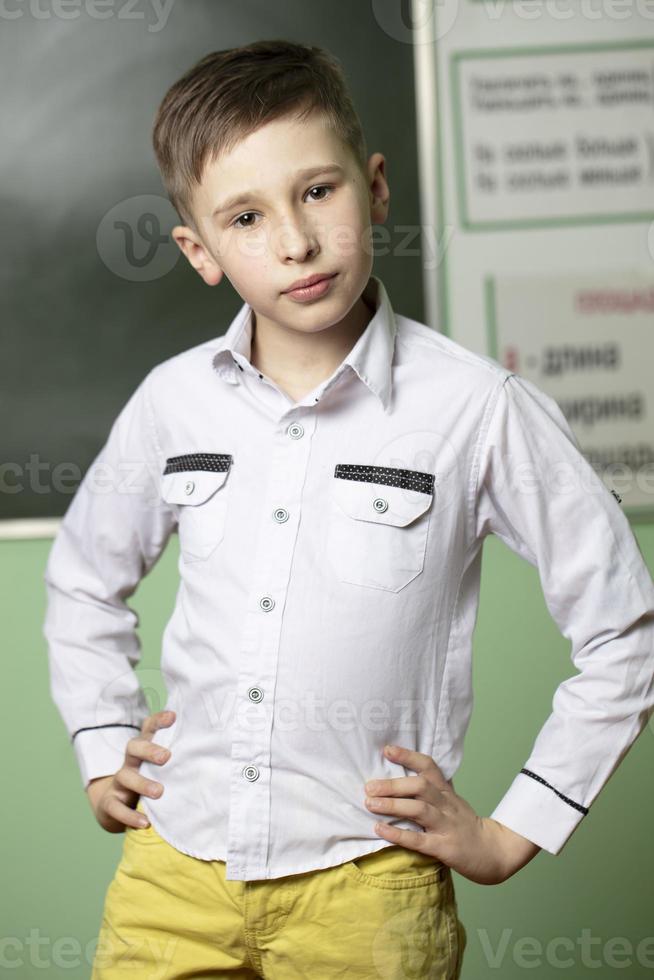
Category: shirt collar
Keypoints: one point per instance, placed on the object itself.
(371, 357)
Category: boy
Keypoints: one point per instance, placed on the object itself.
(332, 468)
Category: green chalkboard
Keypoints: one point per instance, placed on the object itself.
(94, 289)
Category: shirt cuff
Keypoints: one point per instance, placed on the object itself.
(535, 810)
(100, 751)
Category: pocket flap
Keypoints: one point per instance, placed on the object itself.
(193, 479)
(395, 502)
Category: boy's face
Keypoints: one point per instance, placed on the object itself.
(288, 226)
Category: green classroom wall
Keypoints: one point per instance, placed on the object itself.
(592, 903)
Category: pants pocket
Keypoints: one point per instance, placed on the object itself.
(396, 867)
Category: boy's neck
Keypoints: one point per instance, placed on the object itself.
(297, 361)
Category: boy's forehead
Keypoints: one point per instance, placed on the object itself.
(281, 140)
(273, 152)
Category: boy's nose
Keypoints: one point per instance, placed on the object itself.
(297, 243)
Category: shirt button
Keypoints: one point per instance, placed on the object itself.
(295, 430)
(189, 487)
(280, 515)
(380, 504)
(251, 773)
(255, 694)
(267, 603)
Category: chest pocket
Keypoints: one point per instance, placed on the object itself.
(197, 484)
(378, 525)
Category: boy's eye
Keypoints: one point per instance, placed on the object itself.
(247, 214)
(240, 218)
(320, 187)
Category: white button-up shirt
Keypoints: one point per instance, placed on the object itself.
(330, 555)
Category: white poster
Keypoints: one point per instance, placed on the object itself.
(551, 135)
(536, 154)
(581, 339)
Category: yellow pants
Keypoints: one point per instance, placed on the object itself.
(390, 915)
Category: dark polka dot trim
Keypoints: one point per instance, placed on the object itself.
(216, 462)
(577, 806)
(392, 476)
(116, 724)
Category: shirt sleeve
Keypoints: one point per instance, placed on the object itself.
(112, 533)
(537, 492)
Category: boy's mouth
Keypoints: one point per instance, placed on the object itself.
(303, 284)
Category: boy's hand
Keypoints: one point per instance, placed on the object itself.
(479, 848)
(114, 798)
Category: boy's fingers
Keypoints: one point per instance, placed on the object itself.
(418, 761)
(413, 839)
(124, 814)
(400, 786)
(144, 750)
(158, 720)
(134, 782)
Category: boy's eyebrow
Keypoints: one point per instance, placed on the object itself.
(306, 174)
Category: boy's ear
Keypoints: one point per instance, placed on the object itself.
(378, 190)
(197, 254)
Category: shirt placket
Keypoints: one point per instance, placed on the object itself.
(249, 812)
